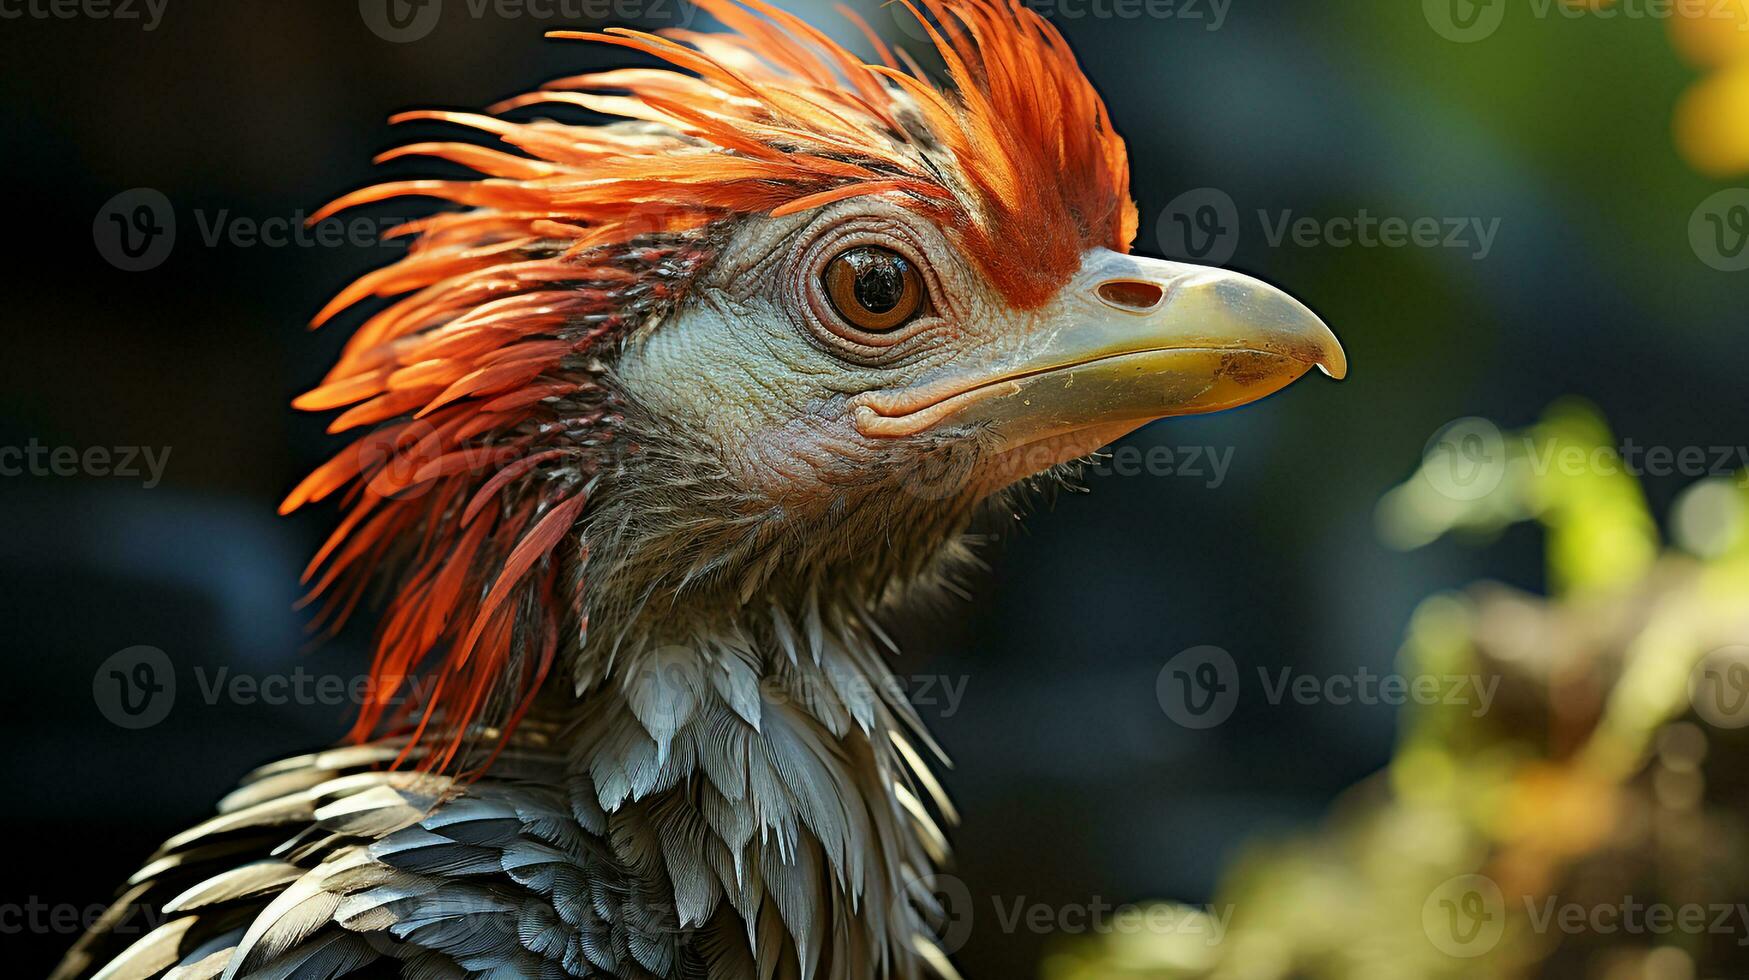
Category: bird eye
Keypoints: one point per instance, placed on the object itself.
(873, 288)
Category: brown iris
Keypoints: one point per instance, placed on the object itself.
(873, 288)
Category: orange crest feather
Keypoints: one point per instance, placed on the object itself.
(489, 427)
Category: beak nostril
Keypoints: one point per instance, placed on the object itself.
(1131, 294)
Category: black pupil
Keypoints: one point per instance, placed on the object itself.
(880, 279)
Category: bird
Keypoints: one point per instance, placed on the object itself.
(651, 427)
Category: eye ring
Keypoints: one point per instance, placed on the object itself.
(874, 289)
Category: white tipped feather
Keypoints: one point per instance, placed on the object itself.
(244, 881)
(155, 952)
(726, 814)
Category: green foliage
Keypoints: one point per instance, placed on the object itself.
(1600, 778)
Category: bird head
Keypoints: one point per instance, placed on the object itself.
(787, 326)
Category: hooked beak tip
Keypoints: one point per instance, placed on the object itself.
(1134, 340)
(1332, 360)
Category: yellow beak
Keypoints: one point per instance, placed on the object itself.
(1129, 340)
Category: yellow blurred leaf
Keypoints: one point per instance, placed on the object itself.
(1710, 34)
(1712, 122)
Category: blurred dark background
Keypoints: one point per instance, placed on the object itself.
(1075, 785)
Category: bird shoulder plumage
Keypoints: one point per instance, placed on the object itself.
(681, 821)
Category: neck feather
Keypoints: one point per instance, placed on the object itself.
(730, 713)
(766, 771)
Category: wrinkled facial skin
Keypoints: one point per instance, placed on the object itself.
(968, 396)
(759, 361)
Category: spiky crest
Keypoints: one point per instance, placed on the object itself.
(480, 376)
